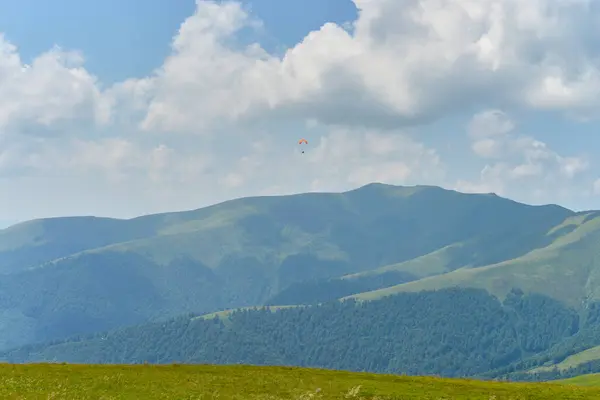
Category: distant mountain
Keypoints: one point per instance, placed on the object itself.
(72, 276)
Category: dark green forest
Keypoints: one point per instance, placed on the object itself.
(586, 337)
(451, 332)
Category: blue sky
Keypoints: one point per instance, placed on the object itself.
(124, 39)
(120, 39)
(146, 104)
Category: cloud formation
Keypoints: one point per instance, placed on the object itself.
(221, 115)
(48, 94)
(517, 163)
(403, 62)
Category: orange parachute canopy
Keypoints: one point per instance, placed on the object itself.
(303, 141)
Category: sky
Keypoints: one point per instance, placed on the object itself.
(122, 109)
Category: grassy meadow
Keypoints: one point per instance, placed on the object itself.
(583, 380)
(70, 381)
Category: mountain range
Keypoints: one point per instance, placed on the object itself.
(417, 280)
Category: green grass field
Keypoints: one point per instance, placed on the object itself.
(66, 381)
(583, 380)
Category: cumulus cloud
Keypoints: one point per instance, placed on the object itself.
(518, 165)
(221, 115)
(401, 63)
(48, 95)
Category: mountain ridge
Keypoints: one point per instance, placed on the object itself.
(76, 276)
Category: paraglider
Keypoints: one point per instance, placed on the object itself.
(302, 141)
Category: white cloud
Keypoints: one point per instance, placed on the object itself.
(49, 95)
(488, 148)
(218, 119)
(490, 123)
(518, 165)
(403, 61)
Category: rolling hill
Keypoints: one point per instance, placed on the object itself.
(74, 276)
(573, 259)
(570, 362)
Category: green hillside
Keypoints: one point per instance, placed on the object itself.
(35, 242)
(572, 361)
(72, 276)
(43, 381)
(316, 291)
(435, 263)
(571, 259)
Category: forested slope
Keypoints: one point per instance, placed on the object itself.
(451, 332)
(70, 276)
